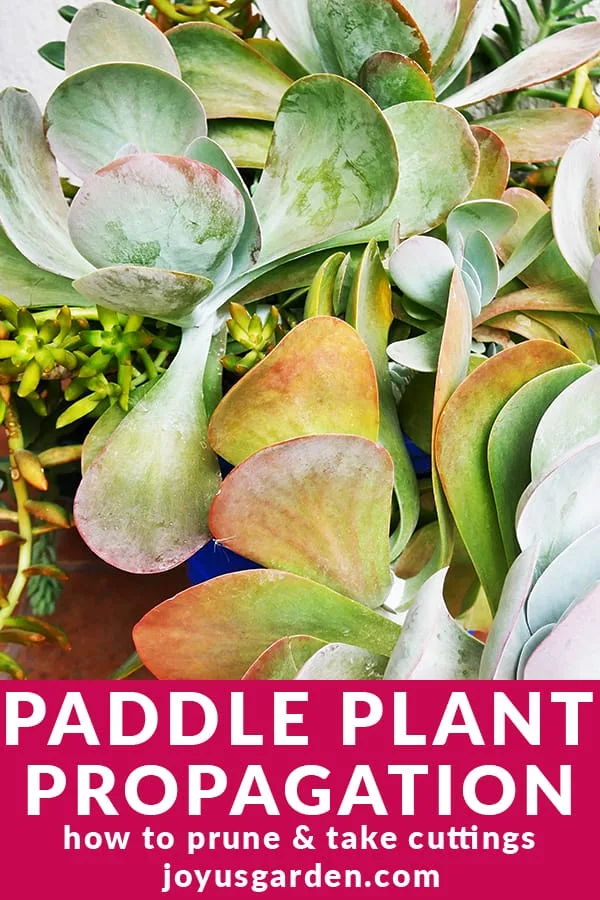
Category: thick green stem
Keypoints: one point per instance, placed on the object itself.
(14, 433)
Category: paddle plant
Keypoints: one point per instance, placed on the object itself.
(322, 213)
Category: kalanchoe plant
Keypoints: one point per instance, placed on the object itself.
(385, 270)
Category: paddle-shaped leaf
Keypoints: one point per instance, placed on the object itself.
(570, 651)
(576, 203)
(190, 636)
(316, 506)
(492, 217)
(563, 428)
(197, 216)
(248, 247)
(350, 31)
(332, 166)
(369, 310)
(561, 507)
(439, 159)
(511, 440)
(494, 166)
(30, 187)
(572, 575)
(104, 32)
(27, 285)
(343, 662)
(291, 23)
(96, 112)
(422, 267)
(461, 444)
(141, 290)
(509, 631)
(537, 135)
(283, 659)
(549, 59)
(318, 380)
(432, 645)
(228, 75)
(391, 78)
(143, 503)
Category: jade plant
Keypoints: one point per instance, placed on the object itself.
(327, 218)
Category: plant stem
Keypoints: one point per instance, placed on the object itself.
(579, 83)
(14, 433)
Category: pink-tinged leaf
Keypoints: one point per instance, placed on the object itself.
(494, 166)
(319, 380)
(433, 645)
(218, 629)
(143, 502)
(391, 78)
(436, 21)
(570, 651)
(332, 166)
(551, 58)
(343, 662)
(197, 216)
(30, 186)
(575, 205)
(104, 32)
(350, 31)
(316, 506)
(461, 443)
(138, 290)
(95, 114)
(538, 135)
(283, 660)
(231, 78)
(509, 631)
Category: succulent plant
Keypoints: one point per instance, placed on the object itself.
(386, 273)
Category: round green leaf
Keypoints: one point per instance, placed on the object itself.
(332, 166)
(95, 113)
(106, 32)
(191, 636)
(27, 285)
(228, 75)
(350, 31)
(391, 78)
(196, 216)
(422, 267)
(420, 353)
